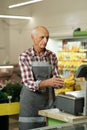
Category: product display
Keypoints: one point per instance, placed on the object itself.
(73, 54)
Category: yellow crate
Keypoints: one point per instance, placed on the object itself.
(9, 108)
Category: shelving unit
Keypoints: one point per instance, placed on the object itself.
(71, 60)
(73, 54)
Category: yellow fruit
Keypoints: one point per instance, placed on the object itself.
(69, 85)
(77, 87)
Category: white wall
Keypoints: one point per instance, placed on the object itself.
(61, 17)
(4, 42)
(19, 40)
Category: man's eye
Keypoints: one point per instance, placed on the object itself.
(42, 37)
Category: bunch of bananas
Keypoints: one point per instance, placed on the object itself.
(69, 85)
(69, 82)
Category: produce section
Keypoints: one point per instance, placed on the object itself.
(10, 87)
(71, 60)
(11, 83)
(73, 54)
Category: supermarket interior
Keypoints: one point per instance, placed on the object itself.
(66, 22)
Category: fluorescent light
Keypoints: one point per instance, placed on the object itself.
(6, 67)
(24, 3)
(14, 17)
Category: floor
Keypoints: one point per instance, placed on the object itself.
(13, 122)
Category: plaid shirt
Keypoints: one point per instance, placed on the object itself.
(25, 63)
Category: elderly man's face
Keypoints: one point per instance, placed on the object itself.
(41, 38)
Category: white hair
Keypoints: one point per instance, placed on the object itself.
(33, 33)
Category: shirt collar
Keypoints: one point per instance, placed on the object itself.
(34, 54)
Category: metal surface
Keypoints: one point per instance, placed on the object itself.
(74, 104)
(76, 93)
(82, 93)
(80, 125)
(85, 97)
(82, 72)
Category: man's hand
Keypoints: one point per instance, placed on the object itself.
(53, 82)
(56, 82)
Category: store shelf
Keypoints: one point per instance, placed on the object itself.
(9, 108)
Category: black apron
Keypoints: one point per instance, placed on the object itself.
(31, 102)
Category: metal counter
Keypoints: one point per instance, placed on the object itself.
(80, 125)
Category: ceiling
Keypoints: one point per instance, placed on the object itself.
(5, 3)
(62, 6)
(68, 14)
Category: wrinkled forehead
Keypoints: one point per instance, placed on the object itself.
(40, 32)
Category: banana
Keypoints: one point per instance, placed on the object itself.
(77, 87)
(69, 81)
(69, 85)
